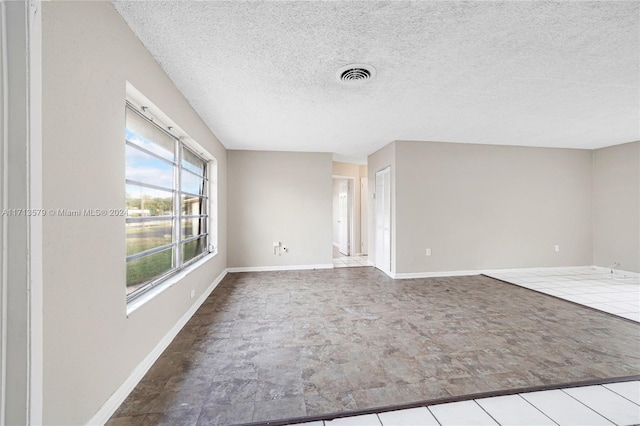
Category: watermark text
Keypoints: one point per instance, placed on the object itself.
(64, 212)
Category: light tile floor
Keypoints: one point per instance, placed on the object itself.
(612, 293)
(350, 261)
(616, 403)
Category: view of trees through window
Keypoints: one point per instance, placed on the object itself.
(166, 202)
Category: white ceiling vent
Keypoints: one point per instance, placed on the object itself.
(355, 73)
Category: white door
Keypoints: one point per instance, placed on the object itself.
(383, 220)
(343, 217)
(364, 216)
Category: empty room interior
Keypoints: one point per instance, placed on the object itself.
(323, 212)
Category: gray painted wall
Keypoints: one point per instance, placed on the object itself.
(485, 206)
(279, 196)
(90, 345)
(616, 206)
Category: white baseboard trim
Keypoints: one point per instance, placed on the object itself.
(118, 397)
(279, 268)
(620, 274)
(617, 272)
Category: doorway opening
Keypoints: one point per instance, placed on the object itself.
(348, 209)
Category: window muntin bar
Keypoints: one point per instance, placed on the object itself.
(149, 251)
(151, 153)
(195, 237)
(190, 195)
(193, 216)
(195, 174)
(149, 185)
(149, 219)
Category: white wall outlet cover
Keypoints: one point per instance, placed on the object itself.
(556, 247)
(428, 252)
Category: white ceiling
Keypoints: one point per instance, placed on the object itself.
(262, 75)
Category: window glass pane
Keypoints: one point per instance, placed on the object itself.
(192, 184)
(194, 226)
(142, 201)
(193, 205)
(145, 134)
(145, 269)
(143, 236)
(193, 249)
(145, 168)
(152, 213)
(192, 162)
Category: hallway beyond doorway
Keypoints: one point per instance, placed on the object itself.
(342, 261)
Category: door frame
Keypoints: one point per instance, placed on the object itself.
(344, 240)
(21, 362)
(364, 216)
(350, 195)
(387, 200)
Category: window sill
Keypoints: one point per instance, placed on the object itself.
(141, 300)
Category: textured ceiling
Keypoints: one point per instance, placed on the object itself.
(262, 75)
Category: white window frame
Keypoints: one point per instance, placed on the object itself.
(139, 104)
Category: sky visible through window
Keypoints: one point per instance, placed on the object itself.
(142, 167)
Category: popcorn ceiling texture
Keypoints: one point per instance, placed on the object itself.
(262, 74)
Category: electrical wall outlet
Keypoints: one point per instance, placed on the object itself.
(193, 294)
(556, 248)
(428, 252)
